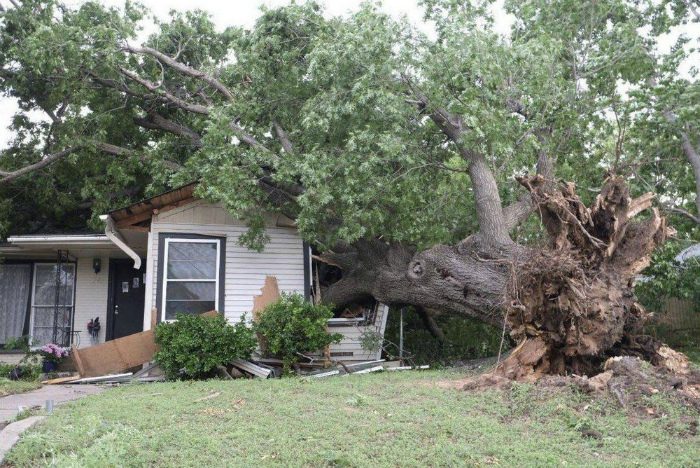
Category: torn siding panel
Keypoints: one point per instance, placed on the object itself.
(245, 270)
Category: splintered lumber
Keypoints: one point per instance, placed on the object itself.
(149, 367)
(61, 380)
(251, 368)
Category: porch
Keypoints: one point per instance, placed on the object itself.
(51, 286)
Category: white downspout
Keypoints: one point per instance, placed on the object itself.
(113, 235)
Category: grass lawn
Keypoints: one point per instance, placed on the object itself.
(10, 387)
(404, 419)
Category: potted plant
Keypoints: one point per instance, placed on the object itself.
(52, 355)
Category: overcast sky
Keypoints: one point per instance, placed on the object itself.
(245, 12)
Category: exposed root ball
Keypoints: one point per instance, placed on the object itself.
(573, 305)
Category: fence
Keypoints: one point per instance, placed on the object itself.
(678, 324)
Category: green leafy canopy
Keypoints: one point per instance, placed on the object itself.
(363, 159)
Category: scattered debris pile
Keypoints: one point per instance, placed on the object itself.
(363, 368)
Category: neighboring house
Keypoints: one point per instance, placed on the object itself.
(51, 286)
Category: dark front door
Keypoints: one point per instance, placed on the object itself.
(128, 293)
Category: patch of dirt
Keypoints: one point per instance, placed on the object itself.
(627, 380)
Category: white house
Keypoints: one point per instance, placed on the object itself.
(172, 253)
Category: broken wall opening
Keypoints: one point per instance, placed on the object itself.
(361, 313)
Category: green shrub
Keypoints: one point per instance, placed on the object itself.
(292, 326)
(29, 366)
(192, 346)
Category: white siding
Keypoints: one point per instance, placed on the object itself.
(245, 269)
(351, 341)
(90, 298)
(149, 286)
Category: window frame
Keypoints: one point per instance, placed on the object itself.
(33, 306)
(164, 241)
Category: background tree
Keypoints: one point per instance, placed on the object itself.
(395, 151)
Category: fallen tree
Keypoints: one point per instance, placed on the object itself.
(375, 138)
(569, 305)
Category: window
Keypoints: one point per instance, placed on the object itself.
(52, 302)
(190, 276)
(15, 287)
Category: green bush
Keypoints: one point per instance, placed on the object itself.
(192, 346)
(29, 366)
(292, 325)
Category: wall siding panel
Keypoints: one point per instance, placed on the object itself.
(90, 298)
(246, 270)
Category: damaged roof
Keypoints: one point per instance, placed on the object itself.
(141, 212)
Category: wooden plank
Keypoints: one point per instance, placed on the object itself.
(60, 380)
(75, 356)
(137, 228)
(134, 219)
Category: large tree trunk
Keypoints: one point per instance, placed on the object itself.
(569, 305)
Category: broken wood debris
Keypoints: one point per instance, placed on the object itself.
(251, 368)
(363, 368)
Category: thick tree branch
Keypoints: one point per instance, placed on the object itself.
(157, 122)
(164, 94)
(182, 68)
(284, 138)
(109, 83)
(680, 211)
(489, 211)
(45, 161)
(248, 139)
(120, 151)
